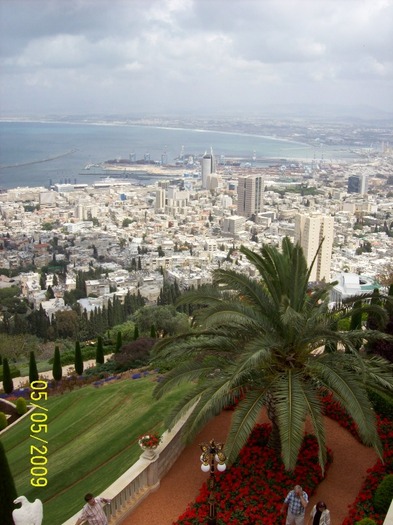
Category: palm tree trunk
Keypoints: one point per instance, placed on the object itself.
(274, 439)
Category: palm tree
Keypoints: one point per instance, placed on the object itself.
(259, 341)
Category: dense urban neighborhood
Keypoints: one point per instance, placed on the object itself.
(126, 239)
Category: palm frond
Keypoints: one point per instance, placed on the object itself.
(243, 422)
(211, 403)
(349, 390)
(314, 410)
(186, 372)
(379, 372)
(291, 410)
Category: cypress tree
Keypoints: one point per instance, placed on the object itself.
(8, 384)
(57, 371)
(33, 372)
(43, 281)
(7, 489)
(136, 332)
(100, 352)
(119, 342)
(78, 359)
(356, 320)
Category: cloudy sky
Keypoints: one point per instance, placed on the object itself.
(194, 56)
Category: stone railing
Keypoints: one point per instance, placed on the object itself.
(129, 490)
(389, 516)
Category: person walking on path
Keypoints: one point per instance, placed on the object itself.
(320, 515)
(295, 504)
(92, 512)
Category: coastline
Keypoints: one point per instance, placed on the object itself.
(153, 126)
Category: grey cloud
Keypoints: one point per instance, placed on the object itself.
(199, 53)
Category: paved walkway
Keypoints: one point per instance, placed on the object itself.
(181, 485)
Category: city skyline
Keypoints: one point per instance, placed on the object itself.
(193, 56)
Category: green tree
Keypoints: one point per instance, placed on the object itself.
(78, 359)
(43, 280)
(49, 293)
(119, 342)
(33, 371)
(66, 323)
(136, 332)
(57, 371)
(356, 319)
(258, 341)
(8, 384)
(166, 320)
(7, 489)
(100, 351)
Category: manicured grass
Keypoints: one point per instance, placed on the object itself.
(92, 439)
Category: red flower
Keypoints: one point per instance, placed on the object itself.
(151, 440)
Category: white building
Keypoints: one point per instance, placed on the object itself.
(350, 285)
(310, 230)
(250, 194)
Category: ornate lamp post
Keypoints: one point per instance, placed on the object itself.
(211, 454)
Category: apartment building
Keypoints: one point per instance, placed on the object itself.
(310, 231)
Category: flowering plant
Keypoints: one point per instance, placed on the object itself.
(253, 489)
(151, 440)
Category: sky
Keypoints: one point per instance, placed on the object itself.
(173, 57)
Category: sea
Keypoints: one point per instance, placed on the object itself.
(46, 153)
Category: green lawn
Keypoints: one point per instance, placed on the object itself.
(92, 439)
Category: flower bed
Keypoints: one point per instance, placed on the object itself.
(253, 489)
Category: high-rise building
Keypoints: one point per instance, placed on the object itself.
(309, 232)
(250, 194)
(358, 184)
(159, 204)
(208, 167)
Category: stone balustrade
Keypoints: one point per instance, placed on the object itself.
(141, 479)
(389, 516)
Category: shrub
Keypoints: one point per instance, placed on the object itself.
(384, 494)
(3, 421)
(21, 406)
(382, 404)
(366, 521)
(102, 370)
(135, 354)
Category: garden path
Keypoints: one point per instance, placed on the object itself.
(20, 381)
(181, 485)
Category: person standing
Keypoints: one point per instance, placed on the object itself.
(320, 515)
(92, 512)
(295, 505)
